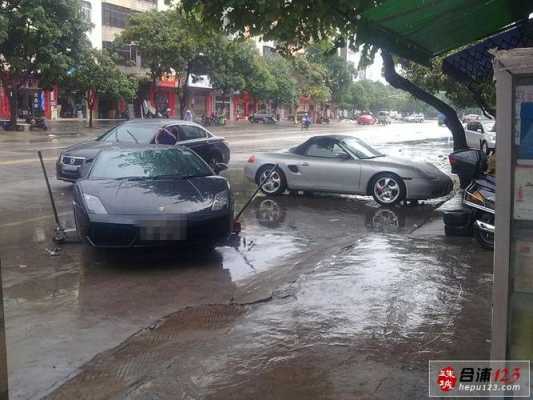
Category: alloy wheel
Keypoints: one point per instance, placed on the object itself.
(273, 184)
(387, 189)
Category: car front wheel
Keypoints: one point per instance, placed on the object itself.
(388, 189)
(277, 183)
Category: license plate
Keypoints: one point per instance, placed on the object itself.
(70, 168)
(158, 230)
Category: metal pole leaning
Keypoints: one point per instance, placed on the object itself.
(256, 191)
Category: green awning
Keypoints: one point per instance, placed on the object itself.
(422, 29)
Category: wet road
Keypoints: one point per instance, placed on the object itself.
(306, 305)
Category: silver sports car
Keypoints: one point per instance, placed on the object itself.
(345, 164)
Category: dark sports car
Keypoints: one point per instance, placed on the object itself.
(143, 195)
(211, 148)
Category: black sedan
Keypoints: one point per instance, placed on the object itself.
(144, 195)
(211, 148)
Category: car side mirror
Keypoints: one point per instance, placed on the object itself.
(219, 167)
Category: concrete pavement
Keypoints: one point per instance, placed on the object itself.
(304, 306)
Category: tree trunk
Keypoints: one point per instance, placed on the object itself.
(184, 99)
(13, 106)
(91, 102)
(451, 119)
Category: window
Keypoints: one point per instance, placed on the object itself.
(474, 126)
(86, 8)
(127, 54)
(115, 16)
(325, 149)
(143, 133)
(189, 132)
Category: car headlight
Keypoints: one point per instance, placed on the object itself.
(94, 205)
(220, 201)
(491, 137)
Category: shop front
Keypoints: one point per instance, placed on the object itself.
(32, 100)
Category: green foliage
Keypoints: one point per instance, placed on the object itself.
(310, 78)
(366, 95)
(435, 81)
(41, 37)
(96, 74)
(339, 73)
(178, 40)
(294, 23)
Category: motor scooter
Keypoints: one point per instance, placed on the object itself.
(480, 197)
(476, 216)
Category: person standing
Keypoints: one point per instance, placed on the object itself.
(188, 115)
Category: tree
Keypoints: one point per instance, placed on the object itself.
(38, 40)
(478, 94)
(311, 79)
(295, 24)
(339, 72)
(95, 74)
(285, 85)
(178, 41)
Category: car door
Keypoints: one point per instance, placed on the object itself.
(196, 139)
(326, 166)
(474, 133)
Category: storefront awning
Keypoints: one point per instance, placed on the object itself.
(474, 63)
(422, 29)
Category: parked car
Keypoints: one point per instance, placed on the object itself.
(481, 135)
(471, 118)
(265, 118)
(211, 148)
(366, 119)
(141, 195)
(417, 118)
(384, 118)
(345, 164)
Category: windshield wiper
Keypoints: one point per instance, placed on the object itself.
(131, 134)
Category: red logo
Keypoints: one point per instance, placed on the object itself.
(446, 379)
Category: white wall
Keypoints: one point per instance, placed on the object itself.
(95, 34)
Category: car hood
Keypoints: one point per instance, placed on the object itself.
(408, 168)
(86, 149)
(155, 197)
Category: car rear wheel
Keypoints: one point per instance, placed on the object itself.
(388, 189)
(277, 183)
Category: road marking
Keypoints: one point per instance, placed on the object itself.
(26, 161)
(35, 219)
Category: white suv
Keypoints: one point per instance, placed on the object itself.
(481, 135)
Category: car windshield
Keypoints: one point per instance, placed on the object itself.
(360, 149)
(130, 133)
(148, 164)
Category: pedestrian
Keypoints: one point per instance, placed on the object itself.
(188, 115)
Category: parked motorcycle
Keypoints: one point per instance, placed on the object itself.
(476, 217)
(37, 122)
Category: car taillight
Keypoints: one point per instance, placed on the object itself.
(452, 160)
(251, 159)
